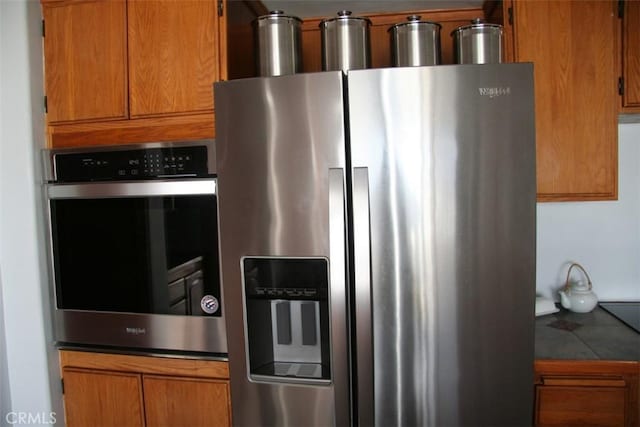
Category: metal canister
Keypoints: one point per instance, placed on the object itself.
(345, 42)
(278, 44)
(415, 43)
(478, 43)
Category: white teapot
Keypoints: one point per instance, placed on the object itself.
(579, 296)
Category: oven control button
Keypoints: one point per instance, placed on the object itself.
(209, 304)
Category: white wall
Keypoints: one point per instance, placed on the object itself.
(5, 392)
(604, 237)
(29, 354)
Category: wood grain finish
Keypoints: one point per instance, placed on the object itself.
(145, 364)
(85, 60)
(173, 56)
(573, 46)
(104, 389)
(177, 402)
(380, 38)
(94, 398)
(132, 131)
(631, 56)
(587, 393)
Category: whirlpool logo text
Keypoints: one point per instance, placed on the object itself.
(493, 92)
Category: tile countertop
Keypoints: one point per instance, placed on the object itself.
(585, 336)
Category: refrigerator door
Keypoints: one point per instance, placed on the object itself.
(282, 207)
(444, 244)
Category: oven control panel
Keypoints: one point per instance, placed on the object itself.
(148, 163)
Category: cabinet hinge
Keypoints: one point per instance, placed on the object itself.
(43, 28)
(62, 384)
(510, 12)
(620, 85)
(220, 8)
(46, 107)
(620, 9)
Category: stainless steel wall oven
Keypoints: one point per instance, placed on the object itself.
(134, 247)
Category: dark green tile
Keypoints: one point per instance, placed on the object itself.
(552, 343)
(617, 342)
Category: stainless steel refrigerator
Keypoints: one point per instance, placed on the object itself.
(377, 241)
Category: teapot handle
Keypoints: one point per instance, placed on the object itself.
(575, 264)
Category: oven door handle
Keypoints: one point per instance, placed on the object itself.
(120, 189)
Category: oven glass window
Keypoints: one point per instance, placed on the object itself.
(138, 255)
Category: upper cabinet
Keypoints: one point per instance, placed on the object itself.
(85, 46)
(173, 56)
(131, 70)
(631, 56)
(574, 49)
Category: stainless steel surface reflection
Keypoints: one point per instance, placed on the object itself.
(428, 229)
(279, 50)
(478, 43)
(277, 140)
(452, 229)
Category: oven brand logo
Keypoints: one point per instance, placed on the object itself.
(136, 331)
(493, 92)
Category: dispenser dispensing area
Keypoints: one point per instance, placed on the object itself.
(287, 319)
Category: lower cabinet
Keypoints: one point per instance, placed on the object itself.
(123, 390)
(587, 393)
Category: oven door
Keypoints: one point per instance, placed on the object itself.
(125, 256)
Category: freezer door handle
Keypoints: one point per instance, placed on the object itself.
(338, 291)
(363, 315)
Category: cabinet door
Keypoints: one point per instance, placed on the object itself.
(173, 56)
(175, 401)
(85, 60)
(631, 59)
(581, 402)
(573, 47)
(102, 398)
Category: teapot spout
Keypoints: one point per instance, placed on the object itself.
(564, 300)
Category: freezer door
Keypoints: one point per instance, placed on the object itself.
(282, 208)
(444, 244)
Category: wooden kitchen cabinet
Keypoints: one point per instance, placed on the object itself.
(574, 49)
(125, 390)
(631, 56)
(173, 56)
(94, 397)
(85, 48)
(587, 393)
(126, 71)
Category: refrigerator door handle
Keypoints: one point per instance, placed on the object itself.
(363, 314)
(338, 291)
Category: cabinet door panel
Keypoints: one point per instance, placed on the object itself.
(173, 51)
(631, 46)
(102, 398)
(85, 60)
(580, 406)
(174, 401)
(575, 94)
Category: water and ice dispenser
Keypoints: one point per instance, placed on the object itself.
(287, 319)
